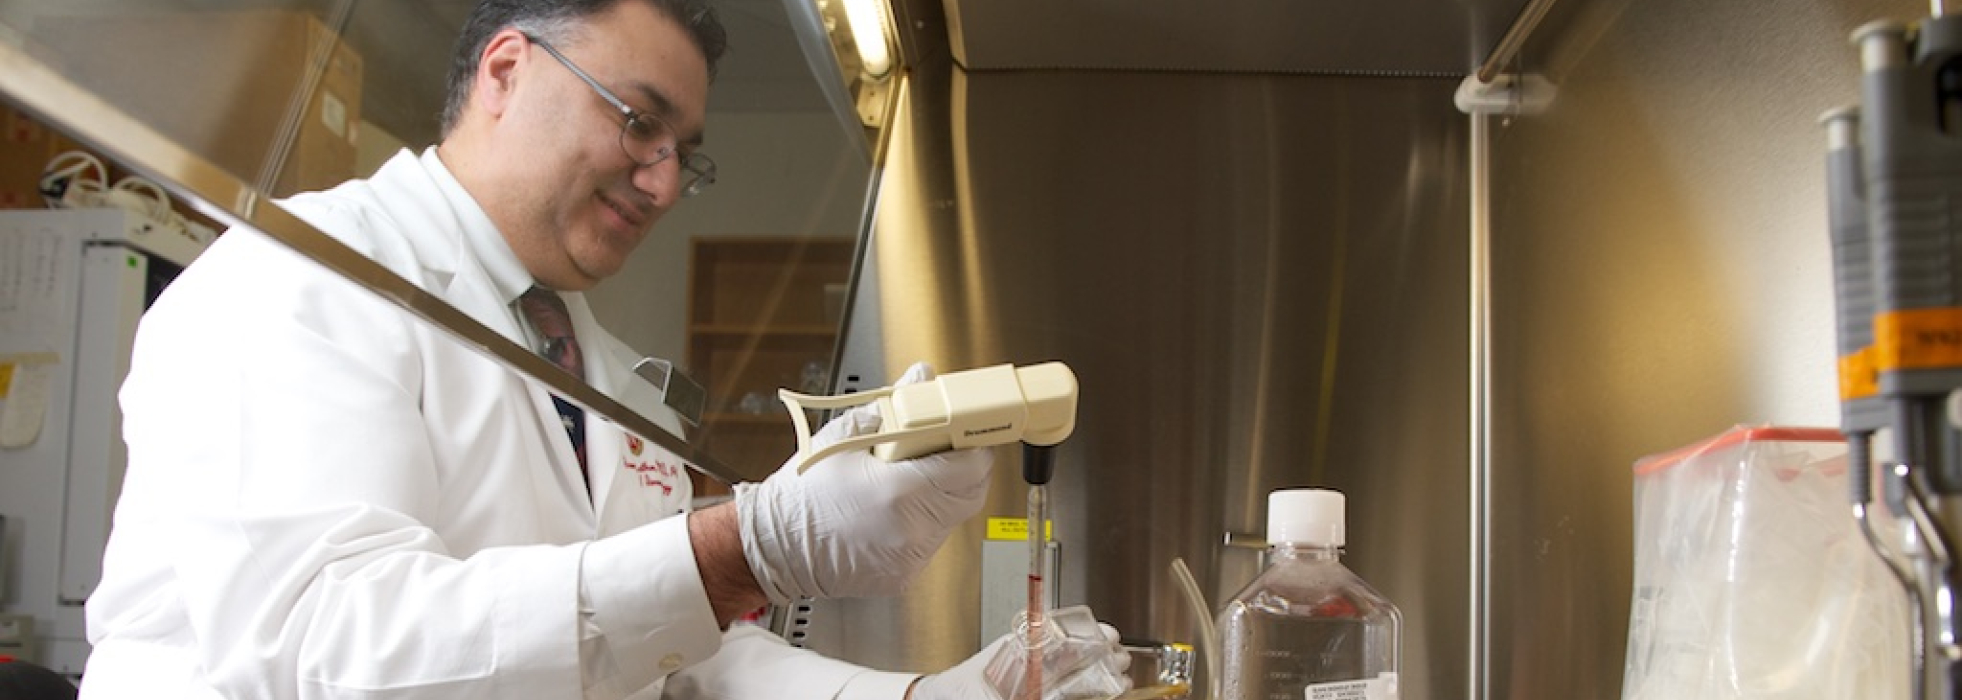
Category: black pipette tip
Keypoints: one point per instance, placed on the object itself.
(1037, 463)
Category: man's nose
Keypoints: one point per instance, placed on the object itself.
(661, 181)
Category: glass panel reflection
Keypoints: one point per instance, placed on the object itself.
(298, 96)
(203, 114)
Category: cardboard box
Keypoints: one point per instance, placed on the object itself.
(254, 91)
(26, 146)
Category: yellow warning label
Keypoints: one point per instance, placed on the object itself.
(1917, 339)
(6, 377)
(1015, 529)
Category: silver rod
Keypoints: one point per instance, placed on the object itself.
(1917, 626)
(1937, 580)
(1246, 540)
(1920, 508)
(1515, 37)
(52, 98)
(1481, 405)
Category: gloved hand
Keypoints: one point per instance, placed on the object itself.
(854, 525)
(1086, 663)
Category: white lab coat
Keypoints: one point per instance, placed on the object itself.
(329, 498)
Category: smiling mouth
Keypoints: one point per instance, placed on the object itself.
(634, 217)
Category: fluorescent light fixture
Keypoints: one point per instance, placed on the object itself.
(868, 21)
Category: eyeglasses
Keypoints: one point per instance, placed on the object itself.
(647, 138)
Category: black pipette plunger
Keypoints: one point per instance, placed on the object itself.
(1037, 463)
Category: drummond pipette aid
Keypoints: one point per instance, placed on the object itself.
(973, 408)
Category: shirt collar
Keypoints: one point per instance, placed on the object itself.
(480, 236)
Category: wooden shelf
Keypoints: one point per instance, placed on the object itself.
(763, 314)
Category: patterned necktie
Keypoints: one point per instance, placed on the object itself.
(548, 315)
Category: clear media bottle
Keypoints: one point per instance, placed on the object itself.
(1308, 628)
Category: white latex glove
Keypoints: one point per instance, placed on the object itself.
(1099, 671)
(854, 525)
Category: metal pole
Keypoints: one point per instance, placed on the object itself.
(1516, 37)
(1477, 677)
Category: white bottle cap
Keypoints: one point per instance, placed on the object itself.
(1305, 516)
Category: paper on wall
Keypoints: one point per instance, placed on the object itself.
(30, 303)
(25, 382)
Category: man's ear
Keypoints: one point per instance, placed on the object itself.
(497, 71)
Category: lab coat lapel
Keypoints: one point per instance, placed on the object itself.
(602, 436)
(469, 288)
(474, 294)
(635, 481)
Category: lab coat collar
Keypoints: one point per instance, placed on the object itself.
(468, 263)
(485, 243)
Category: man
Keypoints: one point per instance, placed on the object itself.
(329, 498)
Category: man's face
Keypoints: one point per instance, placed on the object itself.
(582, 204)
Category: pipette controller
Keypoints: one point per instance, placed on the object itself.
(980, 407)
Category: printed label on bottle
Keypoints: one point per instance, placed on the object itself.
(1384, 687)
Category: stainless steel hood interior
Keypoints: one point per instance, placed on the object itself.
(1155, 192)
(1244, 226)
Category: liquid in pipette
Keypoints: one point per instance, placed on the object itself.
(1037, 615)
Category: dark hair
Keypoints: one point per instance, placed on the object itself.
(555, 21)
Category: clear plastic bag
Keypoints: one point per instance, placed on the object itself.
(1752, 579)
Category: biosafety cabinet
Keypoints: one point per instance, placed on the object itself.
(1466, 262)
